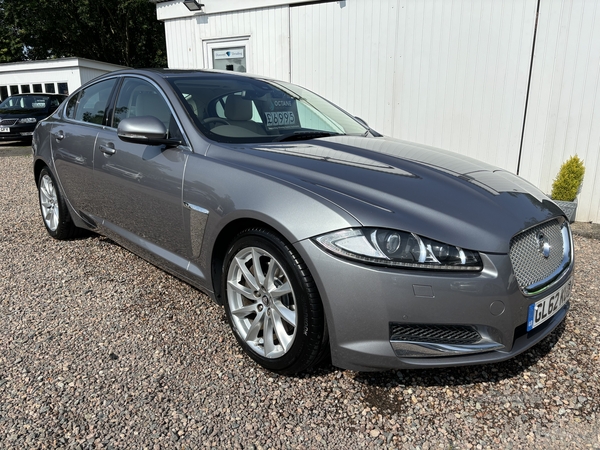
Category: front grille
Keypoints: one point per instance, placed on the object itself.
(8, 122)
(436, 334)
(530, 265)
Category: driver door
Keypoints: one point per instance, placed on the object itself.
(140, 185)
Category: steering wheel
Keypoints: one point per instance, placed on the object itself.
(215, 120)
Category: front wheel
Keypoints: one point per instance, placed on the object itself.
(272, 303)
(54, 208)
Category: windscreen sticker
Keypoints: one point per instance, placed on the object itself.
(280, 113)
(280, 119)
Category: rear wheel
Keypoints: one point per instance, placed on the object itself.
(54, 208)
(272, 303)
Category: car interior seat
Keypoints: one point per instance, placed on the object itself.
(238, 112)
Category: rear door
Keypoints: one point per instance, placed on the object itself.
(73, 145)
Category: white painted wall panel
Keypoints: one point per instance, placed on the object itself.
(73, 71)
(345, 52)
(448, 73)
(87, 74)
(563, 116)
(268, 30)
(184, 51)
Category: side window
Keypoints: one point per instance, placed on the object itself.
(138, 98)
(310, 118)
(220, 107)
(93, 101)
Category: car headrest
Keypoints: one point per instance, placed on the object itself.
(238, 108)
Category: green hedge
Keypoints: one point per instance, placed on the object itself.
(570, 176)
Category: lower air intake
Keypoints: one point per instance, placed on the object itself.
(436, 334)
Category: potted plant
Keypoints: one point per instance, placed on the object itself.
(567, 185)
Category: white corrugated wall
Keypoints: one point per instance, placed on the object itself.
(448, 73)
(267, 29)
(184, 47)
(563, 114)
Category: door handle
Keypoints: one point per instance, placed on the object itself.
(108, 149)
(59, 135)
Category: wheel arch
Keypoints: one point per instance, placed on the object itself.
(38, 165)
(222, 243)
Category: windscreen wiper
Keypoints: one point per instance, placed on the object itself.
(303, 135)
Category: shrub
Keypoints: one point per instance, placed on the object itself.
(570, 176)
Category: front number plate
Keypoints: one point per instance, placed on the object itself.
(4, 130)
(545, 308)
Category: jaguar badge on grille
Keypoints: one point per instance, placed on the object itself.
(543, 244)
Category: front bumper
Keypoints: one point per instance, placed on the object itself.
(366, 306)
(18, 132)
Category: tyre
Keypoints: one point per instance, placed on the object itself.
(54, 208)
(272, 303)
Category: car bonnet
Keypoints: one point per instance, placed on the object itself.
(394, 184)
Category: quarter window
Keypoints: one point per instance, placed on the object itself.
(70, 110)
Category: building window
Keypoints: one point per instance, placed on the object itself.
(25, 89)
(14, 90)
(37, 88)
(50, 88)
(233, 59)
(3, 92)
(227, 54)
(63, 88)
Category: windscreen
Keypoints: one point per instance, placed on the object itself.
(239, 109)
(25, 103)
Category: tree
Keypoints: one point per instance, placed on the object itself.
(124, 32)
(11, 44)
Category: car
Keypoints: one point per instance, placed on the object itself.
(323, 240)
(19, 114)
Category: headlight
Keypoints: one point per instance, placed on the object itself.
(28, 120)
(399, 249)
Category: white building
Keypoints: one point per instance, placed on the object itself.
(515, 83)
(60, 76)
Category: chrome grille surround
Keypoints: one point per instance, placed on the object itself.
(540, 255)
(8, 122)
(431, 341)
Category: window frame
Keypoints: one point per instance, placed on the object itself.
(115, 96)
(77, 95)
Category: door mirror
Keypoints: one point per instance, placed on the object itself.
(147, 130)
